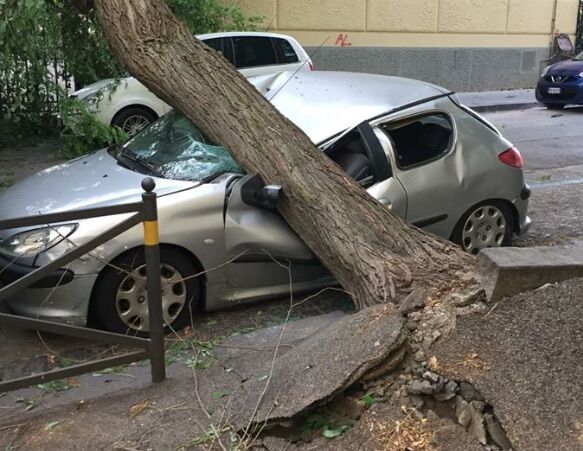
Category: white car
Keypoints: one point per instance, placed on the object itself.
(128, 104)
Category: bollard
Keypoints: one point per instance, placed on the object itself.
(153, 284)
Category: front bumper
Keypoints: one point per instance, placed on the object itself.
(64, 304)
(571, 92)
(11, 271)
(61, 296)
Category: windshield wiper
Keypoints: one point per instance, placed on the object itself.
(150, 168)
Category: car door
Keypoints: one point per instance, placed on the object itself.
(425, 161)
(262, 246)
(380, 183)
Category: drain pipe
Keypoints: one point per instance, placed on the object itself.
(553, 26)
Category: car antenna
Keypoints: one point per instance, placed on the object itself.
(299, 68)
(271, 23)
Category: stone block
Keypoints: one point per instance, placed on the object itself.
(397, 15)
(339, 15)
(474, 16)
(529, 16)
(507, 271)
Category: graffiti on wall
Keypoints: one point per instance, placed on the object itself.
(343, 41)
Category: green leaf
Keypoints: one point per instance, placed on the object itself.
(51, 425)
(368, 400)
(218, 394)
(328, 432)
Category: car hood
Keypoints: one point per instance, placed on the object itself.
(92, 88)
(95, 180)
(569, 67)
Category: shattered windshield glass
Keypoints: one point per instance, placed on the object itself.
(178, 150)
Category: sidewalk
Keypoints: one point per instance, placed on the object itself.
(490, 101)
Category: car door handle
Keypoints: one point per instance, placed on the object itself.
(386, 202)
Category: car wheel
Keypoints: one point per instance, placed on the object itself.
(554, 106)
(489, 224)
(132, 120)
(120, 299)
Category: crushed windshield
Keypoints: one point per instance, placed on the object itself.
(178, 150)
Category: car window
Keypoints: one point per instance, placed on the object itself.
(253, 51)
(421, 139)
(178, 150)
(285, 52)
(349, 153)
(215, 43)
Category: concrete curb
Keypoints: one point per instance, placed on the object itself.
(504, 107)
(508, 271)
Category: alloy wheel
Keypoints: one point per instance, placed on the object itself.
(134, 124)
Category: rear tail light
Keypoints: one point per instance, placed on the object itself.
(512, 157)
(311, 66)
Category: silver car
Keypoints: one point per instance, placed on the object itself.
(410, 144)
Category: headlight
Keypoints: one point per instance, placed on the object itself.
(93, 99)
(35, 241)
(581, 75)
(546, 69)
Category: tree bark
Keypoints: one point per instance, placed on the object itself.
(372, 252)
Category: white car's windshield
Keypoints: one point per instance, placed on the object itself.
(579, 57)
(174, 148)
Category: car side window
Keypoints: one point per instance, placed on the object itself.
(253, 51)
(420, 140)
(285, 52)
(349, 153)
(215, 43)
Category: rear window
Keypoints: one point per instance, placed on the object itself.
(285, 51)
(419, 140)
(253, 51)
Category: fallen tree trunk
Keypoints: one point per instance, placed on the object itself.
(372, 253)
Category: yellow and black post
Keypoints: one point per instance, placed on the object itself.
(153, 284)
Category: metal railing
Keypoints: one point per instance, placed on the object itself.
(151, 348)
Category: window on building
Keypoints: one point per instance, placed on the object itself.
(421, 139)
(253, 51)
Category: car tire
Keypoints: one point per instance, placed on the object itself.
(134, 119)
(487, 224)
(119, 300)
(554, 106)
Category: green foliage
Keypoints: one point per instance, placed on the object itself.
(82, 132)
(368, 400)
(325, 422)
(47, 43)
(208, 16)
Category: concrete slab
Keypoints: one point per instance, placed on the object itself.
(508, 271)
(317, 368)
(524, 357)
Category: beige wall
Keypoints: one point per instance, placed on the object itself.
(417, 23)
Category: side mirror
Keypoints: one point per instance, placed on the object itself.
(255, 192)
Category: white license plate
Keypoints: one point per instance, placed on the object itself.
(554, 90)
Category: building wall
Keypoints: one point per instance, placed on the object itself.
(461, 44)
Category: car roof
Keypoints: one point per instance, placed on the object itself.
(324, 104)
(230, 34)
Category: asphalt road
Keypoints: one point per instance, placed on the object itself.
(547, 139)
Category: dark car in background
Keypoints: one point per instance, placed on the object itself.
(561, 84)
